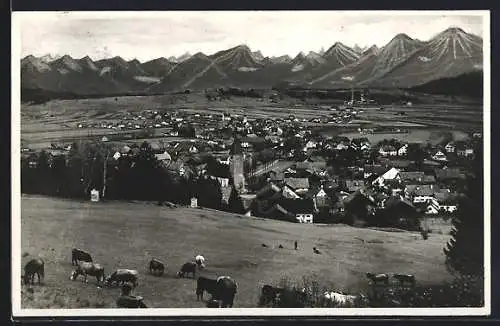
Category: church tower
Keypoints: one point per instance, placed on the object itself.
(236, 166)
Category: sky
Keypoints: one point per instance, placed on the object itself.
(145, 36)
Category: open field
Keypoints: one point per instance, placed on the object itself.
(127, 235)
(432, 136)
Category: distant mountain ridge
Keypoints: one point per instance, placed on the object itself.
(403, 62)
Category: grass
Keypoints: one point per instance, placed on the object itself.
(128, 235)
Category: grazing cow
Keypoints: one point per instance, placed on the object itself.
(291, 298)
(121, 276)
(295, 245)
(405, 278)
(156, 265)
(378, 278)
(280, 246)
(269, 294)
(335, 299)
(79, 255)
(316, 251)
(86, 269)
(226, 290)
(126, 300)
(186, 269)
(205, 284)
(34, 266)
(264, 245)
(200, 261)
(130, 301)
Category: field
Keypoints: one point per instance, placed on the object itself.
(127, 235)
(432, 136)
(57, 120)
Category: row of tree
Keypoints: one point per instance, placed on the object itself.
(90, 166)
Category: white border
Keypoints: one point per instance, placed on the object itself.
(16, 198)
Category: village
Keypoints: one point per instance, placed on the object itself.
(283, 169)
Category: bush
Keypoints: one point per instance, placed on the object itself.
(462, 292)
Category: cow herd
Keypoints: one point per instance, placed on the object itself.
(222, 289)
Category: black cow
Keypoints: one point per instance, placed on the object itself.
(127, 300)
(86, 269)
(264, 245)
(316, 251)
(291, 298)
(121, 276)
(34, 266)
(205, 284)
(187, 268)
(378, 278)
(130, 301)
(405, 278)
(156, 265)
(79, 255)
(269, 295)
(226, 290)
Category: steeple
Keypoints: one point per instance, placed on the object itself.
(236, 147)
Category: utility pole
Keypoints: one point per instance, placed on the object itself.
(105, 172)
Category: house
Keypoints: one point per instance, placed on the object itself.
(391, 175)
(412, 177)
(439, 156)
(341, 146)
(388, 150)
(310, 145)
(420, 193)
(301, 209)
(359, 204)
(321, 198)
(400, 211)
(464, 150)
(373, 169)
(448, 174)
(450, 147)
(448, 202)
(354, 185)
(298, 185)
(226, 159)
(403, 150)
(163, 156)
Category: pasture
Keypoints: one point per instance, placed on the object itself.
(129, 234)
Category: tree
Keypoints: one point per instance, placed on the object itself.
(464, 251)
(235, 202)
(43, 180)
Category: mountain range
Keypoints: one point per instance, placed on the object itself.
(404, 62)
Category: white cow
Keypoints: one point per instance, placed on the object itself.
(200, 261)
(336, 299)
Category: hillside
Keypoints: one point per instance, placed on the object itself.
(128, 235)
(469, 84)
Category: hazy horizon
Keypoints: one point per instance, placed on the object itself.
(106, 34)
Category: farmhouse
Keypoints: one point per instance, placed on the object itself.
(392, 174)
(388, 150)
(297, 185)
(439, 156)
